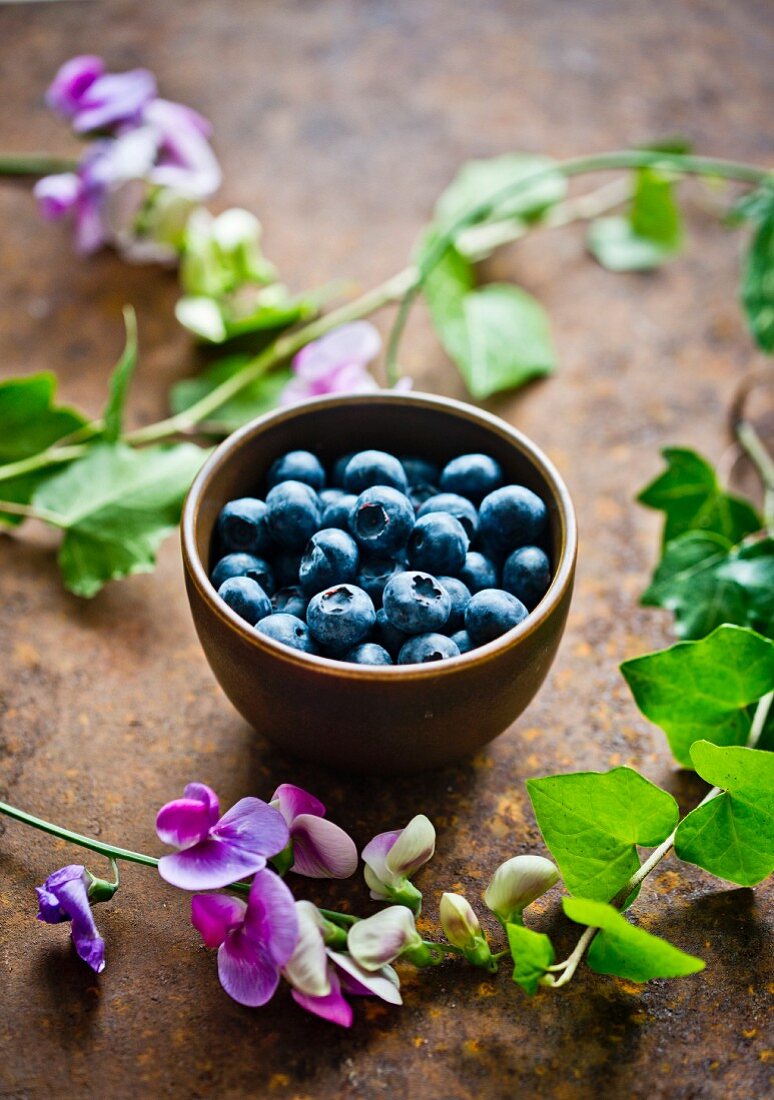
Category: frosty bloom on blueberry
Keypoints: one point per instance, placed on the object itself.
(378, 560)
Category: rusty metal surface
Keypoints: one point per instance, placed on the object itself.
(338, 122)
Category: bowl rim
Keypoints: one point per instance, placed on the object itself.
(383, 673)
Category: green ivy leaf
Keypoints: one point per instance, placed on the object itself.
(689, 494)
(650, 235)
(497, 335)
(705, 582)
(703, 689)
(30, 422)
(120, 380)
(758, 284)
(592, 823)
(625, 951)
(532, 954)
(254, 400)
(732, 835)
(116, 505)
(478, 179)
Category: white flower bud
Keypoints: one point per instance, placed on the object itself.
(516, 883)
(459, 922)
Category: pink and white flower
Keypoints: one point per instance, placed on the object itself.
(391, 859)
(320, 849)
(216, 851)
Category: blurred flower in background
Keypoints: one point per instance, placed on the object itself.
(148, 165)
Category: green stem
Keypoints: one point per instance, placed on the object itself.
(10, 507)
(107, 850)
(35, 164)
(570, 964)
(54, 456)
(603, 162)
(339, 918)
(282, 349)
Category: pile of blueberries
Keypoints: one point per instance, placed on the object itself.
(377, 569)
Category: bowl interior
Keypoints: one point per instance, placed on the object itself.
(402, 424)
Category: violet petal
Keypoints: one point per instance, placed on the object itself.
(246, 971)
(271, 916)
(215, 915)
(292, 801)
(332, 1007)
(254, 826)
(184, 822)
(209, 866)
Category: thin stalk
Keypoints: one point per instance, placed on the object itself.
(755, 448)
(54, 456)
(107, 850)
(570, 964)
(35, 164)
(603, 162)
(10, 507)
(282, 349)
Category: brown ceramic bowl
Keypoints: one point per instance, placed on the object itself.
(364, 718)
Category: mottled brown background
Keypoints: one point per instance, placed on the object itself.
(339, 122)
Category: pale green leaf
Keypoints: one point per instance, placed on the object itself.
(477, 180)
(650, 235)
(691, 498)
(625, 951)
(532, 954)
(592, 823)
(758, 284)
(703, 689)
(115, 506)
(732, 835)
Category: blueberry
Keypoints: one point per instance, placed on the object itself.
(382, 520)
(374, 575)
(246, 597)
(491, 613)
(456, 506)
(289, 630)
(331, 557)
(242, 526)
(292, 514)
(438, 544)
(527, 575)
(419, 471)
(336, 512)
(368, 653)
(478, 572)
(286, 566)
(461, 639)
(291, 601)
(340, 617)
(418, 494)
(339, 466)
(297, 466)
(369, 468)
(243, 565)
(416, 603)
(472, 476)
(427, 647)
(330, 496)
(460, 598)
(511, 517)
(388, 635)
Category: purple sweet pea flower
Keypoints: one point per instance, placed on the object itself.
(320, 977)
(184, 161)
(391, 859)
(96, 100)
(64, 896)
(254, 939)
(336, 363)
(216, 851)
(320, 848)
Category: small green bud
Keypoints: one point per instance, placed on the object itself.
(516, 884)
